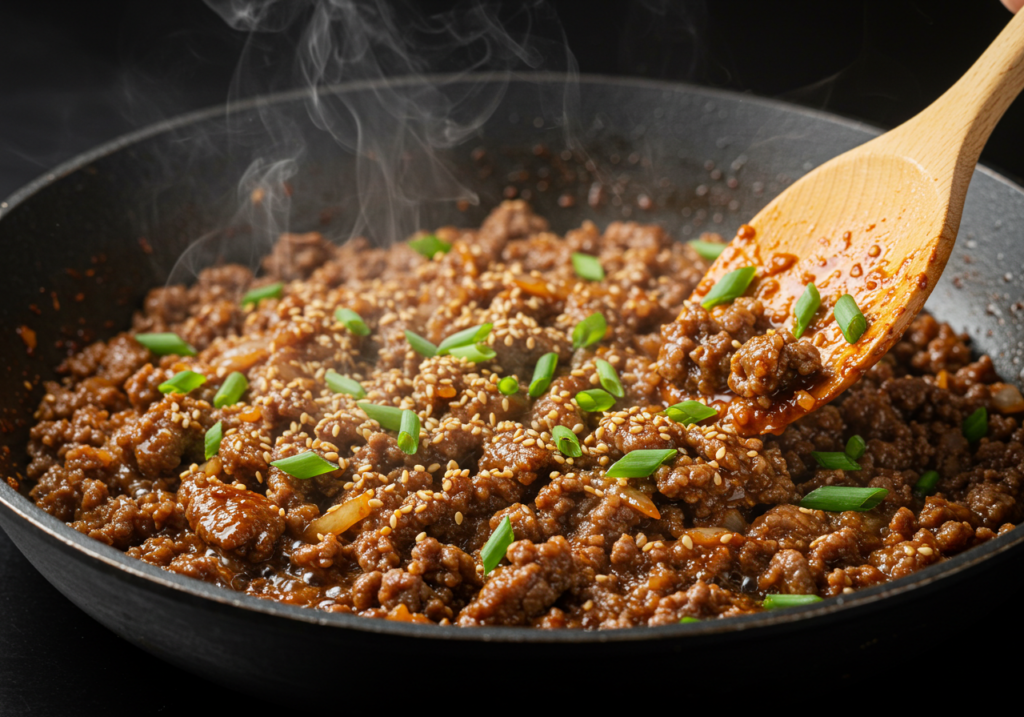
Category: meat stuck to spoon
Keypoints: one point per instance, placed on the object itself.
(876, 225)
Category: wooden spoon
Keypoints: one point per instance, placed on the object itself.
(878, 223)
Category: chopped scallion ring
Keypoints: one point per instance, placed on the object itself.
(231, 390)
(640, 463)
(466, 337)
(352, 321)
(835, 460)
(494, 549)
(686, 620)
(729, 287)
(778, 602)
(587, 267)
(270, 291)
(543, 373)
(851, 321)
(975, 426)
(409, 433)
(305, 465)
(474, 353)
(509, 386)
(567, 442)
(389, 417)
(595, 400)
(708, 250)
(926, 483)
(805, 308)
(420, 345)
(838, 498)
(166, 344)
(211, 442)
(855, 447)
(182, 382)
(589, 331)
(343, 384)
(610, 379)
(428, 246)
(689, 412)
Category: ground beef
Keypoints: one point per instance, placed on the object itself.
(388, 534)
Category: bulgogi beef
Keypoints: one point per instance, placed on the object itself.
(709, 533)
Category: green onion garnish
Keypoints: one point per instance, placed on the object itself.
(587, 267)
(589, 331)
(496, 545)
(595, 400)
(466, 337)
(213, 438)
(855, 447)
(509, 386)
(389, 417)
(305, 465)
(165, 344)
(182, 382)
(429, 246)
(837, 498)
(474, 353)
(926, 484)
(352, 321)
(343, 384)
(777, 602)
(610, 379)
(708, 250)
(689, 412)
(729, 287)
(567, 442)
(231, 390)
(851, 321)
(409, 433)
(641, 463)
(687, 620)
(270, 291)
(543, 373)
(975, 426)
(835, 460)
(806, 306)
(420, 345)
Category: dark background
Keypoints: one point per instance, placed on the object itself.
(74, 74)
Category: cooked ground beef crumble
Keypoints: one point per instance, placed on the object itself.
(709, 534)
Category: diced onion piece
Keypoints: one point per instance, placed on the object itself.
(243, 356)
(639, 501)
(251, 415)
(541, 288)
(400, 613)
(338, 520)
(1006, 398)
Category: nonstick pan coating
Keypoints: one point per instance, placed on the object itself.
(94, 235)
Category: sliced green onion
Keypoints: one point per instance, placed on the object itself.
(851, 321)
(352, 321)
(778, 602)
(389, 417)
(429, 246)
(806, 306)
(610, 379)
(270, 291)
(729, 287)
(409, 433)
(589, 331)
(926, 484)
(182, 382)
(231, 390)
(509, 386)
(689, 412)
(708, 250)
(343, 384)
(587, 267)
(305, 465)
(567, 442)
(837, 498)
(975, 426)
(543, 373)
(496, 545)
(420, 345)
(641, 463)
(835, 461)
(855, 448)
(213, 438)
(475, 353)
(466, 337)
(165, 344)
(595, 400)
(687, 620)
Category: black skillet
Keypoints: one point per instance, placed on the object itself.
(93, 235)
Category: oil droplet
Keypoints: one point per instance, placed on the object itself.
(871, 286)
(875, 250)
(746, 232)
(856, 271)
(922, 281)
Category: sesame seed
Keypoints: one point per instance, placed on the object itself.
(908, 550)
(420, 537)
(925, 550)
(720, 453)
(688, 542)
(458, 518)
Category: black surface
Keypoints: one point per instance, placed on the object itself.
(63, 90)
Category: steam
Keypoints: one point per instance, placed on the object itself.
(396, 129)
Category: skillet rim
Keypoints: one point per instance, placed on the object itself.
(114, 561)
